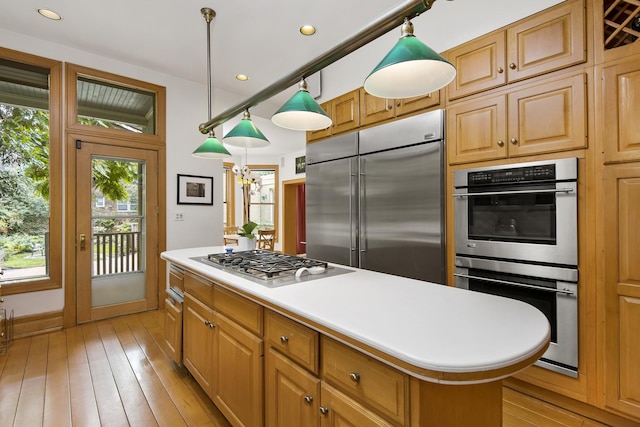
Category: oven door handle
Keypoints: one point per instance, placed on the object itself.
(499, 193)
(522, 285)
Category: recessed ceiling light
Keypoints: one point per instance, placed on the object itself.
(242, 77)
(307, 30)
(49, 14)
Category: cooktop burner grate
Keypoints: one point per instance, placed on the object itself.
(264, 264)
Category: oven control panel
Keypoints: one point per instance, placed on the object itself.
(514, 175)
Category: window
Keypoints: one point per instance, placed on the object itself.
(30, 173)
(100, 202)
(263, 204)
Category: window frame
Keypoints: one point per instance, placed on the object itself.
(276, 196)
(54, 279)
(74, 71)
(229, 194)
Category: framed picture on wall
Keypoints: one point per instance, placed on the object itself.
(301, 164)
(195, 190)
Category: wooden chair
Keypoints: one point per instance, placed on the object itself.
(266, 239)
(230, 235)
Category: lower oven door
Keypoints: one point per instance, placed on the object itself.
(553, 290)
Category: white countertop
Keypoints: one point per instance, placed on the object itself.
(429, 326)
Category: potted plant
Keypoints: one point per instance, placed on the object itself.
(246, 238)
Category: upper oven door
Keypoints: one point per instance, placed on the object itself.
(534, 222)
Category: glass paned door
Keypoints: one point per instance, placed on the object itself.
(116, 242)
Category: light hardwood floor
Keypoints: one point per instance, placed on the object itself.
(108, 373)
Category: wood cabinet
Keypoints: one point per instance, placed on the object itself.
(238, 384)
(224, 356)
(338, 410)
(622, 288)
(199, 342)
(293, 393)
(173, 329)
(545, 117)
(376, 110)
(621, 110)
(548, 41)
(321, 133)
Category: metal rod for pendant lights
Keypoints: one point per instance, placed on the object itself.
(392, 19)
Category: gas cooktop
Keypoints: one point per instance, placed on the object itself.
(271, 268)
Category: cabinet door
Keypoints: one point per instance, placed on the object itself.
(479, 64)
(622, 288)
(338, 410)
(549, 117)
(477, 130)
(621, 95)
(198, 341)
(409, 105)
(238, 384)
(374, 109)
(322, 133)
(173, 329)
(292, 393)
(546, 42)
(345, 112)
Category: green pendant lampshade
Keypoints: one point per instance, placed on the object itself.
(246, 134)
(301, 112)
(211, 148)
(410, 69)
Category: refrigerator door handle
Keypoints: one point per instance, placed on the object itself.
(362, 238)
(352, 239)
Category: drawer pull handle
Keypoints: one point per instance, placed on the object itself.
(284, 339)
(308, 400)
(355, 377)
(324, 410)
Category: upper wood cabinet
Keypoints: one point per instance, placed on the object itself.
(536, 119)
(621, 110)
(545, 42)
(322, 133)
(376, 110)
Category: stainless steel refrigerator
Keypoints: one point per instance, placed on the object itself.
(374, 198)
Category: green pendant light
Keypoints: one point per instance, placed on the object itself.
(301, 112)
(410, 69)
(211, 148)
(246, 134)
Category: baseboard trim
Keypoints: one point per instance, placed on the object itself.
(36, 324)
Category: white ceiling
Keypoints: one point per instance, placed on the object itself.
(259, 38)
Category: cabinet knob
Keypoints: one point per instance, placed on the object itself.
(207, 323)
(500, 70)
(390, 107)
(512, 66)
(355, 377)
(308, 400)
(324, 410)
(500, 143)
(284, 339)
(211, 325)
(398, 104)
(513, 141)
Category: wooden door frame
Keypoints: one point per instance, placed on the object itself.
(70, 278)
(289, 215)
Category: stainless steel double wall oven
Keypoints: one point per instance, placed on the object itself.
(516, 236)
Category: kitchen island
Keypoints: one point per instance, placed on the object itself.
(448, 349)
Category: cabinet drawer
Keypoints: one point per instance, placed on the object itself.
(176, 278)
(199, 288)
(373, 383)
(241, 310)
(292, 339)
